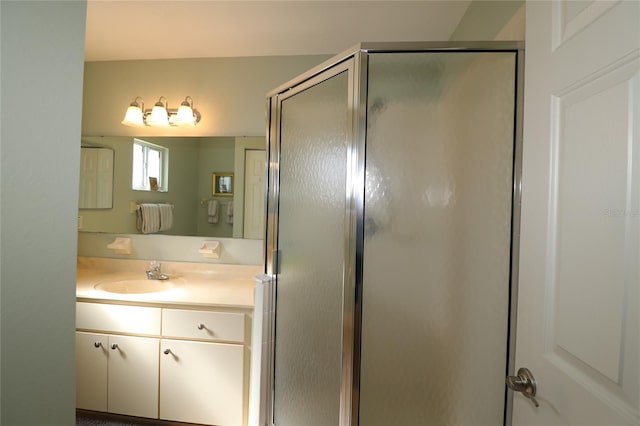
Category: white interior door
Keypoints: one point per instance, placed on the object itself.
(578, 322)
(255, 161)
(96, 178)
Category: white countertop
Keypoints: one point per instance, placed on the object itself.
(192, 284)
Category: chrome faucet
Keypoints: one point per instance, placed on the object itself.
(155, 273)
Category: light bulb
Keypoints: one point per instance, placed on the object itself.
(185, 116)
(159, 115)
(134, 115)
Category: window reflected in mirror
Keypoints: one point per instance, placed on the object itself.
(150, 166)
(184, 182)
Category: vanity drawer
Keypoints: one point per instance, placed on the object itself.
(118, 318)
(203, 325)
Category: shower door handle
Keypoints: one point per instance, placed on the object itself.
(523, 383)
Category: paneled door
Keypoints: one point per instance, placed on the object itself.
(578, 322)
(254, 173)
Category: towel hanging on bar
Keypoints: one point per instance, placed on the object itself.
(212, 211)
(149, 218)
(152, 218)
(229, 212)
(166, 216)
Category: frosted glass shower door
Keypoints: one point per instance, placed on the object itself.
(436, 267)
(313, 139)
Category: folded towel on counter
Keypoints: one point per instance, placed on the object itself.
(149, 218)
(229, 212)
(166, 216)
(212, 211)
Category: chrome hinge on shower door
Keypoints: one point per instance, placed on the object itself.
(275, 261)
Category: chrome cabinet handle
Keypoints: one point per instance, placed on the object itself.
(201, 326)
(97, 344)
(523, 383)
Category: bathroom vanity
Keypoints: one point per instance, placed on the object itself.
(176, 349)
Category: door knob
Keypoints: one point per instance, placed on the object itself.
(523, 383)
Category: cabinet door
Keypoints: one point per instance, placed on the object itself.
(201, 382)
(91, 371)
(133, 376)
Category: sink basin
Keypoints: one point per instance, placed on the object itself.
(134, 286)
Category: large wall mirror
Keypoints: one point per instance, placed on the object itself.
(191, 161)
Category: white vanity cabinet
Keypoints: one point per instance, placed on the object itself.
(92, 358)
(117, 373)
(186, 365)
(202, 351)
(133, 376)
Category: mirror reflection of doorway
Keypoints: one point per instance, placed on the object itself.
(254, 193)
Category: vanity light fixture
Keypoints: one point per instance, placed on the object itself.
(186, 115)
(161, 115)
(134, 115)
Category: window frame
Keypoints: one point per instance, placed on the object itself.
(163, 178)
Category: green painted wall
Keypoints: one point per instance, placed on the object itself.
(484, 19)
(42, 50)
(228, 92)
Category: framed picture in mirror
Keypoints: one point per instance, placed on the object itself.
(153, 183)
(222, 184)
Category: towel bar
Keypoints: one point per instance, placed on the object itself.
(134, 207)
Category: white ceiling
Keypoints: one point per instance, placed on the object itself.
(161, 29)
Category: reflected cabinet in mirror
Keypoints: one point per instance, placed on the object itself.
(179, 173)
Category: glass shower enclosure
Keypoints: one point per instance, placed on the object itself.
(391, 235)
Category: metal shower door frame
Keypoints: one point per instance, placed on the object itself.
(346, 64)
(355, 61)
